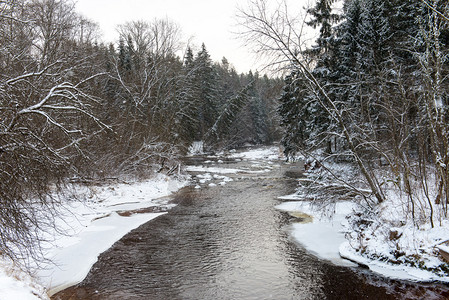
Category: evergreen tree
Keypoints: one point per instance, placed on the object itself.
(374, 35)
(323, 53)
(294, 115)
(187, 99)
(122, 54)
(226, 117)
(226, 81)
(188, 59)
(324, 18)
(258, 110)
(206, 92)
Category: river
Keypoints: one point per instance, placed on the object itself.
(226, 240)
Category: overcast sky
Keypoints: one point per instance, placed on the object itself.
(209, 21)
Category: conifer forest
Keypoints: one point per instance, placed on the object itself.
(373, 91)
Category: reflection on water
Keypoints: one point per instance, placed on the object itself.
(229, 242)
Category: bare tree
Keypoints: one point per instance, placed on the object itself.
(46, 114)
(159, 38)
(434, 82)
(54, 23)
(274, 33)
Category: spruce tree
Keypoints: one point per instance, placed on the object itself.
(187, 98)
(324, 18)
(323, 53)
(122, 55)
(294, 112)
(206, 86)
(258, 110)
(374, 35)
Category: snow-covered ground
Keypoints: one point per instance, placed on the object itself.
(268, 153)
(91, 228)
(326, 232)
(321, 232)
(393, 245)
(18, 285)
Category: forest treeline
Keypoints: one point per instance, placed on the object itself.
(72, 107)
(372, 91)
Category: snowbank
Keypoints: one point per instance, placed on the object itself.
(395, 238)
(16, 284)
(327, 233)
(396, 247)
(401, 272)
(90, 227)
(95, 226)
(75, 255)
(321, 232)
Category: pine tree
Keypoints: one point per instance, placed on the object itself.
(374, 35)
(122, 55)
(188, 59)
(187, 98)
(227, 115)
(226, 81)
(294, 115)
(206, 87)
(258, 110)
(323, 53)
(323, 18)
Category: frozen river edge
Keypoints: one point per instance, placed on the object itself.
(89, 228)
(324, 236)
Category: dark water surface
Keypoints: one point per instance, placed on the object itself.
(228, 242)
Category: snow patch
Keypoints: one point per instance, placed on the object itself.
(73, 261)
(401, 272)
(322, 233)
(93, 227)
(326, 233)
(212, 170)
(16, 284)
(270, 153)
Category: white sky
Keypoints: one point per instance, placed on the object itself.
(209, 21)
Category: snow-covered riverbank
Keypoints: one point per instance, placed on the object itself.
(91, 227)
(325, 231)
(320, 232)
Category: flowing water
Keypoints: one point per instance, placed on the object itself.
(229, 242)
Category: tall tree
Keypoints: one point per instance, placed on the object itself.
(324, 18)
(206, 92)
